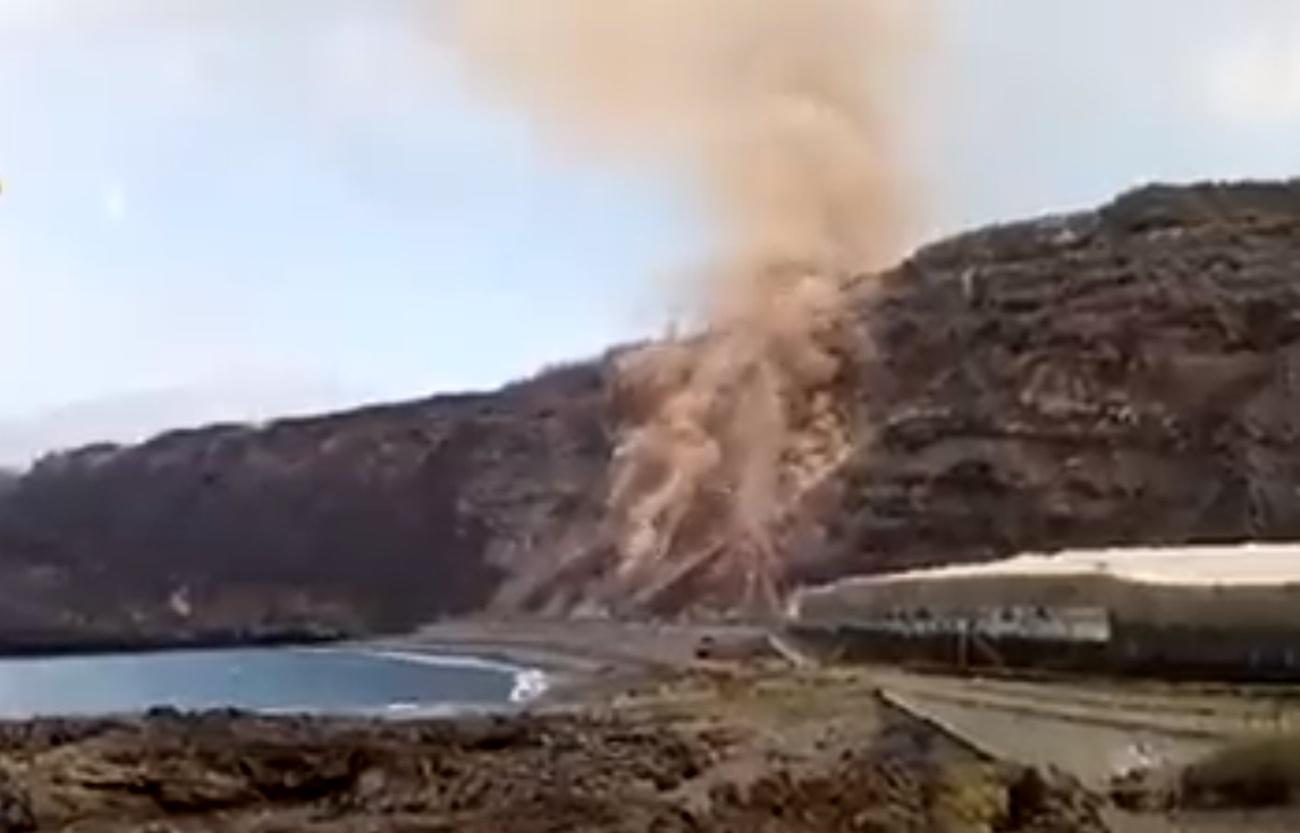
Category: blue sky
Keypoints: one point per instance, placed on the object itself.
(231, 209)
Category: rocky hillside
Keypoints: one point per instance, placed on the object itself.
(1124, 375)
(367, 520)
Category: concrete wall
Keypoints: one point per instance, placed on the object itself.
(1095, 623)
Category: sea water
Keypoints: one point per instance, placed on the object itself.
(317, 680)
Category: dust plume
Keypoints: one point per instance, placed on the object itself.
(785, 111)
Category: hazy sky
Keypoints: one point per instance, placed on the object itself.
(240, 208)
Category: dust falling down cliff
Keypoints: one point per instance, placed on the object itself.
(784, 111)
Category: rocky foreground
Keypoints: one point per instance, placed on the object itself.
(1126, 375)
(720, 752)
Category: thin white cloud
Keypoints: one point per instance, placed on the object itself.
(18, 14)
(115, 202)
(135, 416)
(36, 15)
(1254, 80)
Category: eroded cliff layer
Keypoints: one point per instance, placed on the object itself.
(1123, 375)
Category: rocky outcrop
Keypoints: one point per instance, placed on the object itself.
(1124, 375)
(674, 769)
(1130, 375)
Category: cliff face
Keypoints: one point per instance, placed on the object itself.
(373, 519)
(1125, 375)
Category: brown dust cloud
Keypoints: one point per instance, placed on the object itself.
(785, 112)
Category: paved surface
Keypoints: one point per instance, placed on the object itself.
(1091, 729)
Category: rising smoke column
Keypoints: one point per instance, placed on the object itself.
(784, 110)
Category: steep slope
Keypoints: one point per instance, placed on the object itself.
(1125, 375)
(1128, 375)
(373, 519)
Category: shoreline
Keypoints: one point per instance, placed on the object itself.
(754, 748)
(714, 729)
(575, 656)
(50, 647)
(556, 664)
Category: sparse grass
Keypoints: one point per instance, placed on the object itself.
(1263, 772)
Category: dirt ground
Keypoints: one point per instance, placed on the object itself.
(750, 750)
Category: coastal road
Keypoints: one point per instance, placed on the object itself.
(1091, 729)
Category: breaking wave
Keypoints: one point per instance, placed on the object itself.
(529, 683)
